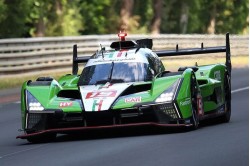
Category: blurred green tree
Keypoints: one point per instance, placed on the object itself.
(206, 16)
(55, 18)
(13, 18)
(28, 18)
(64, 18)
(99, 17)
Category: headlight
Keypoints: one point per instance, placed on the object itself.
(32, 103)
(168, 95)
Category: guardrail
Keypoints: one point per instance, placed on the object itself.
(35, 54)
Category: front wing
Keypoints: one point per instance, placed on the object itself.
(79, 129)
(160, 115)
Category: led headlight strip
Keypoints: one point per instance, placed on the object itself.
(32, 103)
(168, 94)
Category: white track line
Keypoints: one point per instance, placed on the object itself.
(21, 151)
(240, 89)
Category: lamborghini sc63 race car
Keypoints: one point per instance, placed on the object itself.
(127, 86)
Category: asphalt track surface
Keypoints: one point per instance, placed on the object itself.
(220, 144)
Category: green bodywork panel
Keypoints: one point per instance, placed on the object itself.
(69, 81)
(159, 85)
(211, 77)
(184, 95)
(47, 95)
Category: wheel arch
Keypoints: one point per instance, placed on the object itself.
(184, 94)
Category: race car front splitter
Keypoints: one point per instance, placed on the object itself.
(78, 129)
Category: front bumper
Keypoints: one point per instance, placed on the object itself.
(56, 121)
(78, 129)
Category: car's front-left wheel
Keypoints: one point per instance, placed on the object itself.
(194, 101)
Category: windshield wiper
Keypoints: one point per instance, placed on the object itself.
(117, 81)
(111, 71)
(101, 82)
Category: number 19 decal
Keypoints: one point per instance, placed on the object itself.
(100, 94)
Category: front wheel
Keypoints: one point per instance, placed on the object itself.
(194, 120)
(194, 101)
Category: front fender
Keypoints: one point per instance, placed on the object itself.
(183, 99)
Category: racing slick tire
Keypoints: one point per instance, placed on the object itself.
(227, 106)
(49, 137)
(194, 92)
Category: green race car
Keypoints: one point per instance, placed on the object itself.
(127, 86)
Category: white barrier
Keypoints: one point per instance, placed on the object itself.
(34, 54)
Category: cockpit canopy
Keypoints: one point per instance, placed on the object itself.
(128, 61)
(116, 72)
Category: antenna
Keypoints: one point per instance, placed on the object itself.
(138, 48)
(102, 51)
(96, 54)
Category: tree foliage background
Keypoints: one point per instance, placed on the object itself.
(32, 18)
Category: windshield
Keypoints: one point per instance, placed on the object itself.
(115, 73)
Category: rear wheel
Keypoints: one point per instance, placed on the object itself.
(194, 120)
(227, 106)
(194, 101)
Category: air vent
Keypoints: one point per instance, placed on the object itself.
(202, 82)
(136, 89)
(123, 45)
(72, 94)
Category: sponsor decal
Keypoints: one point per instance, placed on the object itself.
(187, 101)
(66, 104)
(100, 94)
(93, 94)
(120, 53)
(200, 105)
(111, 54)
(114, 60)
(132, 99)
(217, 75)
(107, 85)
(97, 104)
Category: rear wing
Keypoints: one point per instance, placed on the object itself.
(176, 52)
(202, 50)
